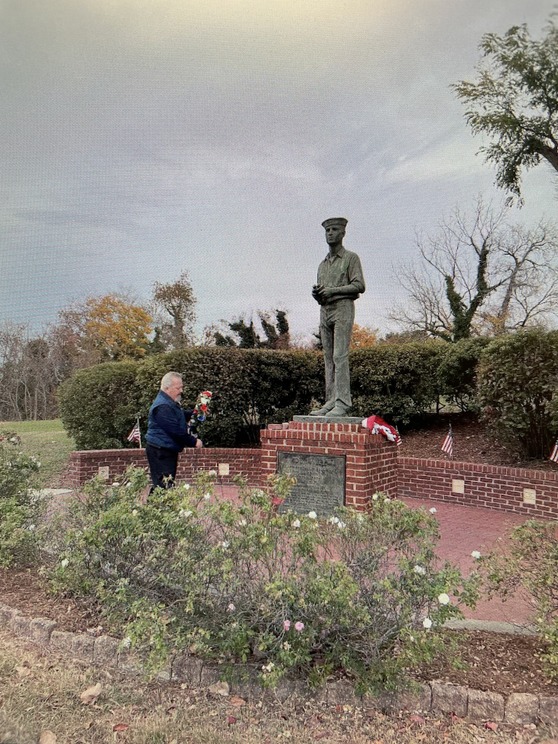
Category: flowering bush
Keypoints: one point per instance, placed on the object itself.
(19, 505)
(359, 593)
(529, 565)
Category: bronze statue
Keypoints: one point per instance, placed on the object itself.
(340, 283)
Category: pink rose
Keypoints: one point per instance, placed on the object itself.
(286, 624)
(299, 627)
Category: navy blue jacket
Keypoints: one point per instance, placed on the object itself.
(166, 425)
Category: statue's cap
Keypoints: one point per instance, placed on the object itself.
(334, 221)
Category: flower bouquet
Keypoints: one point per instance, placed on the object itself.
(200, 412)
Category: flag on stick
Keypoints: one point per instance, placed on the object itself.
(135, 434)
(447, 444)
(554, 453)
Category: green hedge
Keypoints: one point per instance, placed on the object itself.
(457, 373)
(98, 405)
(396, 382)
(254, 387)
(251, 388)
(518, 390)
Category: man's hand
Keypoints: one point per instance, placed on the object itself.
(199, 443)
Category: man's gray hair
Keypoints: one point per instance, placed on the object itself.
(169, 378)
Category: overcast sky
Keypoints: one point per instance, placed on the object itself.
(142, 138)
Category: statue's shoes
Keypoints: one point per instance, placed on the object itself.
(324, 410)
(338, 410)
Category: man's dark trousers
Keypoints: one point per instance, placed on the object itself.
(162, 465)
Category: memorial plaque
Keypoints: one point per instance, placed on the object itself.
(320, 482)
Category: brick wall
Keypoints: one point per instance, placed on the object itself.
(372, 464)
(370, 461)
(111, 464)
(533, 493)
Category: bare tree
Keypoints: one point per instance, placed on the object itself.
(28, 376)
(174, 305)
(480, 274)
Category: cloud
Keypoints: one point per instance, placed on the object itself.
(449, 159)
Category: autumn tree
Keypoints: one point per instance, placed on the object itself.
(276, 334)
(174, 306)
(118, 328)
(480, 274)
(107, 328)
(363, 337)
(515, 102)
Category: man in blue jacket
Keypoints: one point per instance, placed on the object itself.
(167, 432)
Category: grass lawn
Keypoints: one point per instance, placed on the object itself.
(48, 441)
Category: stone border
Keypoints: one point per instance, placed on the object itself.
(430, 697)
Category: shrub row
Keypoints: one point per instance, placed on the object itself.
(511, 379)
(361, 594)
(252, 388)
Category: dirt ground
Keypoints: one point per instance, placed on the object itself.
(472, 442)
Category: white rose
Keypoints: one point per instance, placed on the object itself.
(475, 554)
(312, 515)
(443, 598)
(296, 523)
(427, 623)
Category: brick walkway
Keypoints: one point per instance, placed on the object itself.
(464, 529)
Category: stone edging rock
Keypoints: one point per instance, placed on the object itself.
(431, 697)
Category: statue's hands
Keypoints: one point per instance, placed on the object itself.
(323, 294)
(316, 293)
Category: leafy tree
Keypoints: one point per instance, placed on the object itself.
(515, 102)
(480, 274)
(174, 301)
(276, 334)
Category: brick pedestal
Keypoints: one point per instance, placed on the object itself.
(370, 460)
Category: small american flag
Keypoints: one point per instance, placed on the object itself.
(447, 444)
(135, 434)
(554, 453)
